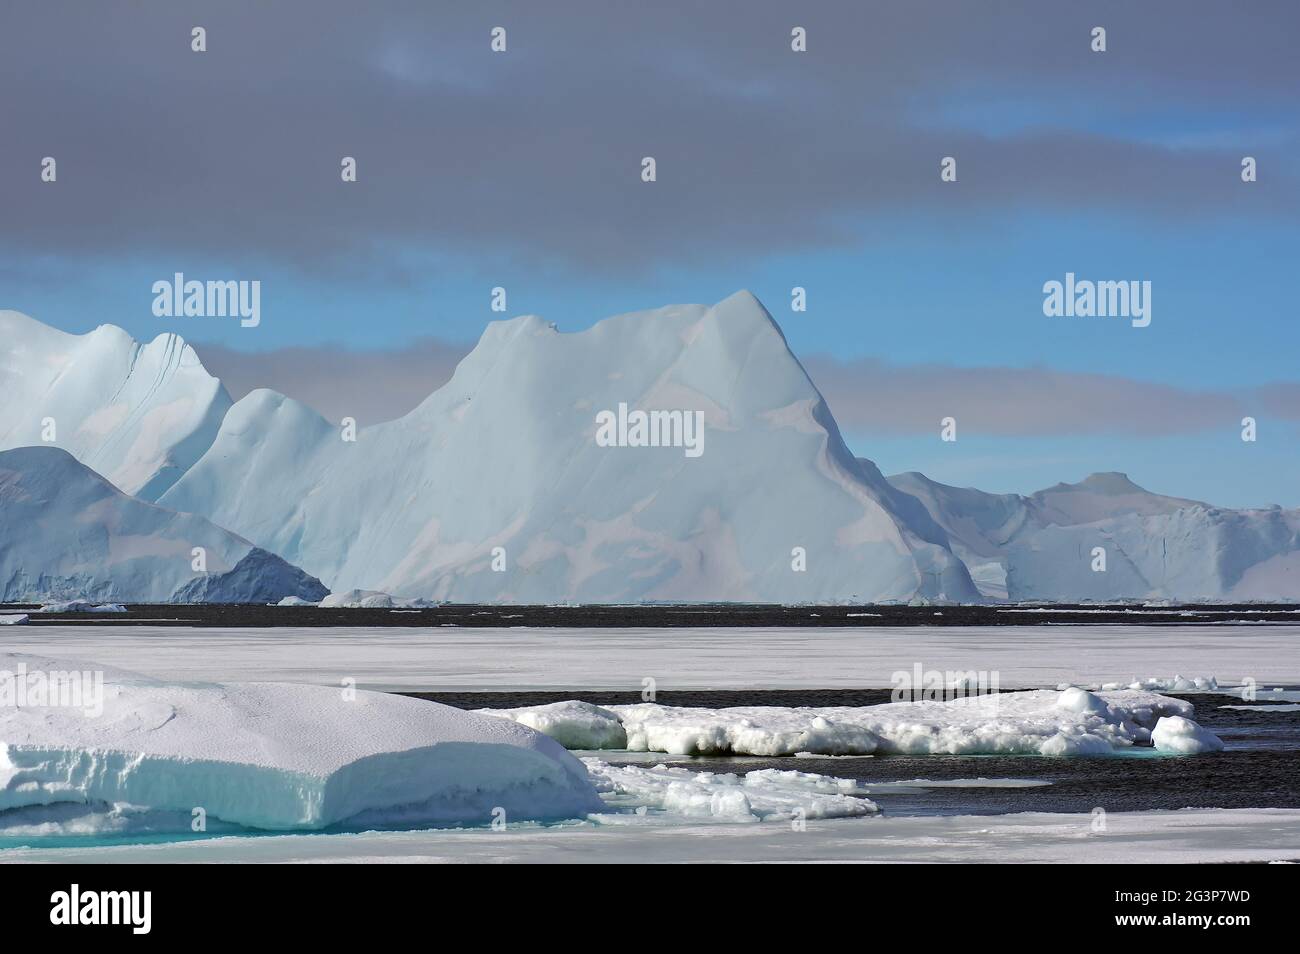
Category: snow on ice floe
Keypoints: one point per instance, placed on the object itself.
(762, 795)
(13, 619)
(574, 724)
(1038, 722)
(1183, 737)
(275, 756)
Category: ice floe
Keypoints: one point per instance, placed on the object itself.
(1037, 722)
(761, 795)
(81, 606)
(277, 756)
(574, 724)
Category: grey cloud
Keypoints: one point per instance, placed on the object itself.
(866, 396)
(535, 153)
(870, 396)
(370, 386)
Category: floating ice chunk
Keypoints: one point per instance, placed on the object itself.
(295, 601)
(1030, 723)
(763, 795)
(1039, 722)
(1184, 737)
(358, 599)
(1177, 684)
(744, 730)
(278, 756)
(81, 606)
(575, 725)
(13, 619)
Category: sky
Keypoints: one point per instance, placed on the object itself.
(775, 169)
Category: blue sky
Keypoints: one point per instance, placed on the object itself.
(775, 169)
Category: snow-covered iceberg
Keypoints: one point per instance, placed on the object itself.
(1041, 547)
(139, 414)
(496, 488)
(67, 534)
(276, 756)
(1037, 722)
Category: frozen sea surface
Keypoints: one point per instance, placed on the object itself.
(1193, 835)
(456, 658)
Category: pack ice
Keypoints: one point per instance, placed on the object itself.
(66, 534)
(276, 756)
(1038, 722)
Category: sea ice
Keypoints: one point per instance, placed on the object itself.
(1037, 722)
(358, 599)
(761, 795)
(81, 606)
(279, 756)
(1183, 737)
(575, 725)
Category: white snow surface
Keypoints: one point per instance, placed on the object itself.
(1038, 722)
(68, 536)
(1183, 737)
(277, 756)
(459, 658)
(505, 455)
(139, 414)
(1186, 836)
(574, 724)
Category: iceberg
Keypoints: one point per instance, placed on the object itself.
(70, 539)
(496, 489)
(139, 414)
(1158, 548)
